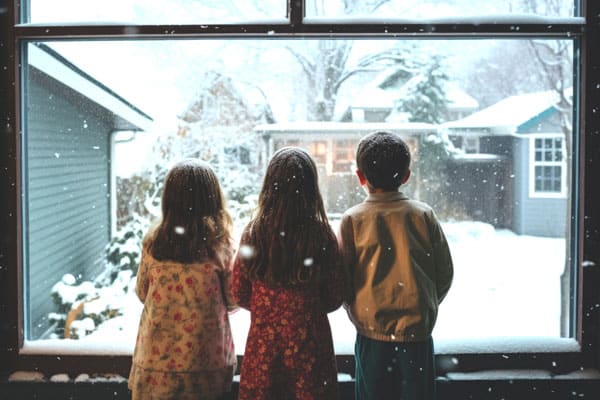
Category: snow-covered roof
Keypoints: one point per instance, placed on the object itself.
(459, 99)
(375, 96)
(508, 114)
(345, 127)
(54, 65)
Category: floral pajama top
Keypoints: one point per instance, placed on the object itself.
(289, 351)
(184, 347)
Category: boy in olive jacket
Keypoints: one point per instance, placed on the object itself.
(398, 269)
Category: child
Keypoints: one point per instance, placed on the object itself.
(398, 269)
(288, 274)
(184, 347)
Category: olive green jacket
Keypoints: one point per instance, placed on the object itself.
(398, 267)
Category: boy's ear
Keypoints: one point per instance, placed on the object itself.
(406, 177)
(361, 177)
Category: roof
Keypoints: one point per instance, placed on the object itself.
(62, 70)
(375, 95)
(312, 127)
(509, 114)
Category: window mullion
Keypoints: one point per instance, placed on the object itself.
(314, 30)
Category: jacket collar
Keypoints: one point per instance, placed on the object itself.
(386, 196)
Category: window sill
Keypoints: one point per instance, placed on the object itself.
(514, 385)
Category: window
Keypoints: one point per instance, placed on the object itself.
(232, 95)
(343, 156)
(471, 145)
(548, 176)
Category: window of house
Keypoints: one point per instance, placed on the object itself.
(343, 156)
(548, 175)
(318, 150)
(204, 96)
(470, 145)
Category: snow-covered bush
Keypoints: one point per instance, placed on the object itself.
(124, 250)
(82, 306)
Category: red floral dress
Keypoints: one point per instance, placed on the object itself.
(289, 351)
(184, 347)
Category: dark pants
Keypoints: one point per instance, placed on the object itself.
(394, 371)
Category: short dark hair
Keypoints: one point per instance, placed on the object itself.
(384, 160)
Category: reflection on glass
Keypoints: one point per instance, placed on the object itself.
(156, 11)
(427, 9)
(488, 126)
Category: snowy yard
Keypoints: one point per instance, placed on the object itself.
(505, 285)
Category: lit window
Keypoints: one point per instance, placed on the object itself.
(343, 156)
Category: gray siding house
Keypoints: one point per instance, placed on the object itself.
(525, 134)
(68, 199)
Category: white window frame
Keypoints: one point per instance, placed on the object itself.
(533, 193)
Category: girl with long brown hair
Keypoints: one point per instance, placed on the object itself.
(184, 347)
(287, 273)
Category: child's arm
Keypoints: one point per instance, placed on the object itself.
(226, 277)
(345, 238)
(331, 287)
(241, 285)
(444, 270)
(142, 283)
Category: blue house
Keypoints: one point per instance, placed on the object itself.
(521, 144)
(69, 203)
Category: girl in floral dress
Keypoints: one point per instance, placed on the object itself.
(184, 347)
(288, 275)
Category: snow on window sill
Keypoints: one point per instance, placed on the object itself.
(454, 20)
(54, 347)
(524, 344)
(343, 332)
(515, 374)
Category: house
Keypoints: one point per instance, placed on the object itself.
(68, 202)
(376, 101)
(332, 145)
(520, 144)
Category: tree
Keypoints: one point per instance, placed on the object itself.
(224, 109)
(541, 65)
(423, 96)
(555, 62)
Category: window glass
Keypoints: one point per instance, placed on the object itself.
(105, 120)
(156, 11)
(548, 166)
(427, 9)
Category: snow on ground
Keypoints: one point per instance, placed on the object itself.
(505, 286)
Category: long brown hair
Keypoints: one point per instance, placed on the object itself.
(195, 224)
(290, 238)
